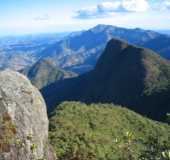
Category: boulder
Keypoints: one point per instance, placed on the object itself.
(23, 119)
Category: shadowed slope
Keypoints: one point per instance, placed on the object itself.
(125, 75)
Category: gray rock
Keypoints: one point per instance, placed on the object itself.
(23, 119)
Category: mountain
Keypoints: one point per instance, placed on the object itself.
(44, 72)
(124, 74)
(104, 131)
(164, 31)
(160, 44)
(80, 52)
(23, 119)
(18, 52)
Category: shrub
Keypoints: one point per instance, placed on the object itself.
(105, 131)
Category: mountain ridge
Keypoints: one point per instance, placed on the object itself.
(80, 52)
(45, 72)
(125, 75)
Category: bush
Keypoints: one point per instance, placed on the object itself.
(105, 131)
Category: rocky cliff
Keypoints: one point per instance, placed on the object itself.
(23, 119)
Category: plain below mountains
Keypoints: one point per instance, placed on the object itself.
(124, 74)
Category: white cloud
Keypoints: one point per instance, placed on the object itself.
(136, 5)
(44, 17)
(161, 5)
(110, 7)
(166, 5)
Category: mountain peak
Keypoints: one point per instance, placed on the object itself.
(45, 62)
(44, 72)
(116, 50)
(116, 43)
(124, 74)
(102, 27)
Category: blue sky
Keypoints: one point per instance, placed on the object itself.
(37, 16)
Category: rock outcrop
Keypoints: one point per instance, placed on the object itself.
(23, 119)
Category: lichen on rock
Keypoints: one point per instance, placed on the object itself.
(23, 119)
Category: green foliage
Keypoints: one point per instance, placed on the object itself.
(155, 150)
(166, 155)
(8, 137)
(7, 132)
(33, 147)
(168, 117)
(44, 72)
(105, 131)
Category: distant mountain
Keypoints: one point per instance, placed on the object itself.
(164, 31)
(126, 75)
(161, 44)
(80, 52)
(18, 52)
(44, 72)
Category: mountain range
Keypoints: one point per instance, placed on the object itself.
(124, 74)
(78, 51)
(91, 116)
(18, 52)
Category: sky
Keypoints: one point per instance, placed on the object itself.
(44, 16)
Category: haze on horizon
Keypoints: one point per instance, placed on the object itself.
(45, 16)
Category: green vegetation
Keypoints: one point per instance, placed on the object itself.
(8, 138)
(105, 131)
(7, 132)
(168, 117)
(45, 72)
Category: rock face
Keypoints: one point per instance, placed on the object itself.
(23, 119)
